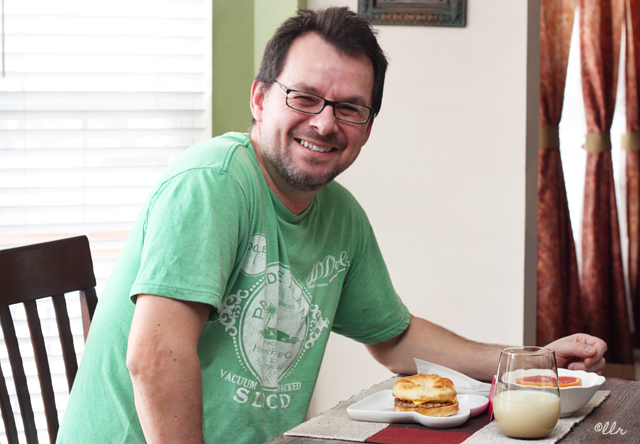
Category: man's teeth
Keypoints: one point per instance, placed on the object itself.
(311, 146)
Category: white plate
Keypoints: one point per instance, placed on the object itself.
(379, 408)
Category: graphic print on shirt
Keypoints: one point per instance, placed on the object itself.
(272, 323)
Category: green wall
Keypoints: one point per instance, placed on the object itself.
(268, 16)
(241, 29)
(232, 60)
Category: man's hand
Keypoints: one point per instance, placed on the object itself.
(165, 370)
(580, 352)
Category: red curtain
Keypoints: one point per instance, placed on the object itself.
(558, 283)
(631, 143)
(602, 287)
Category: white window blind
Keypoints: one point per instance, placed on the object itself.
(97, 98)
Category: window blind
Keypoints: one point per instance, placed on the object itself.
(97, 98)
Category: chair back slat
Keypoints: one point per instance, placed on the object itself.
(44, 370)
(28, 273)
(66, 338)
(88, 303)
(7, 412)
(19, 378)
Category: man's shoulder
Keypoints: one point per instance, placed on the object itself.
(337, 196)
(218, 152)
(230, 154)
(336, 191)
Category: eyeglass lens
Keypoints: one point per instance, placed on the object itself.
(308, 103)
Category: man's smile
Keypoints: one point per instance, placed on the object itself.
(314, 147)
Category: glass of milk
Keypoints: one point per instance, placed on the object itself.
(526, 401)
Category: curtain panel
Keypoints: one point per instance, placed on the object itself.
(603, 297)
(558, 283)
(631, 143)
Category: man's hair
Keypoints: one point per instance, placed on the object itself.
(349, 33)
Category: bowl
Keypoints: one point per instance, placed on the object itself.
(573, 399)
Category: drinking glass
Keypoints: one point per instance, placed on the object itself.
(526, 401)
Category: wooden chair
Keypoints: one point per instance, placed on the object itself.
(32, 272)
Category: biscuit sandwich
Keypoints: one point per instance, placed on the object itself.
(429, 395)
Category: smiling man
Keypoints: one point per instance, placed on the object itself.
(301, 141)
(245, 257)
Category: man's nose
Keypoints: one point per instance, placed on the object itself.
(324, 121)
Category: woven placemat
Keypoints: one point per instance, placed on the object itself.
(336, 423)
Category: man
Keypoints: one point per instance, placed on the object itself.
(247, 254)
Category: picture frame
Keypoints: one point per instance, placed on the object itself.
(450, 13)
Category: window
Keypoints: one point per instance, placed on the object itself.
(573, 128)
(96, 100)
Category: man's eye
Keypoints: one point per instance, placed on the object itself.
(303, 100)
(349, 110)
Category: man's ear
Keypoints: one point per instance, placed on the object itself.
(257, 100)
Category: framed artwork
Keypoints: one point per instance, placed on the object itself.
(414, 12)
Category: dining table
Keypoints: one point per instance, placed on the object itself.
(611, 416)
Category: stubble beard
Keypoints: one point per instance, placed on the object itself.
(285, 166)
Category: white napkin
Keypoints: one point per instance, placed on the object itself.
(462, 383)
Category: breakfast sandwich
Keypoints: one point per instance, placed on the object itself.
(429, 395)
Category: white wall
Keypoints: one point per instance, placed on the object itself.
(449, 180)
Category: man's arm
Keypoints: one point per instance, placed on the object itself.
(428, 341)
(165, 370)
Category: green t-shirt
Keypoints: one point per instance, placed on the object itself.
(277, 283)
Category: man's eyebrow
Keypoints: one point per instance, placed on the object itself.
(356, 100)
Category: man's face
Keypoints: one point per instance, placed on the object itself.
(303, 151)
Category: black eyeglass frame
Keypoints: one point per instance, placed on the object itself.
(326, 102)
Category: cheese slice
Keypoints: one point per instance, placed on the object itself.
(435, 403)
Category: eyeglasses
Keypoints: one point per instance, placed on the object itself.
(312, 104)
